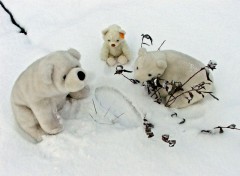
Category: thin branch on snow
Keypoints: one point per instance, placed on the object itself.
(99, 122)
(161, 45)
(111, 121)
(22, 30)
(120, 115)
(232, 126)
(107, 111)
(94, 106)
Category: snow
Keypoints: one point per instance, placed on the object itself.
(207, 30)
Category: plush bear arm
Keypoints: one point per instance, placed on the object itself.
(104, 52)
(81, 93)
(126, 50)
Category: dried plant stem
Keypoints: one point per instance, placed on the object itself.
(154, 85)
(173, 98)
(147, 37)
(107, 112)
(226, 127)
(232, 127)
(94, 106)
(155, 93)
(126, 77)
(161, 44)
(119, 115)
(193, 75)
(22, 30)
(99, 122)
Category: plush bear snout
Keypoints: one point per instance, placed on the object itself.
(81, 75)
(75, 80)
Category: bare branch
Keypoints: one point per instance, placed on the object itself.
(107, 111)
(94, 106)
(22, 30)
(161, 45)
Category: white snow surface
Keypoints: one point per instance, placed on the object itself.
(207, 30)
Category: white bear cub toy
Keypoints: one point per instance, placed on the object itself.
(114, 48)
(41, 90)
(171, 66)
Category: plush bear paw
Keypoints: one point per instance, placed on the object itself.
(80, 94)
(56, 130)
(39, 135)
(111, 61)
(85, 92)
(122, 60)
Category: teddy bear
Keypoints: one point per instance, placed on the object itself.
(115, 48)
(171, 65)
(42, 89)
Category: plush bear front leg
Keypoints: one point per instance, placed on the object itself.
(46, 114)
(111, 61)
(122, 59)
(81, 93)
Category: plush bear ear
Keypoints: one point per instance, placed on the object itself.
(74, 53)
(142, 52)
(46, 73)
(122, 33)
(162, 64)
(104, 32)
(140, 62)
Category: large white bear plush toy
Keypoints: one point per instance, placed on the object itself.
(171, 65)
(41, 91)
(115, 48)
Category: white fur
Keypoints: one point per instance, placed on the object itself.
(114, 49)
(170, 65)
(40, 92)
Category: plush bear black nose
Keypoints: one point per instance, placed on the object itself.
(81, 75)
(113, 45)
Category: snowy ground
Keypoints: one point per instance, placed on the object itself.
(203, 29)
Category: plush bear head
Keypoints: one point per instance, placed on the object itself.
(113, 35)
(149, 65)
(62, 72)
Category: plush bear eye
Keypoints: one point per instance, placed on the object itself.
(137, 68)
(149, 75)
(117, 40)
(64, 77)
(109, 40)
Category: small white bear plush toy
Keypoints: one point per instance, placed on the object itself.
(41, 91)
(114, 48)
(171, 66)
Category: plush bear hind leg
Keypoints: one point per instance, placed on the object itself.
(48, 120)
(80, 94)
(122, 59)
(111, 61)
(28, 122)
